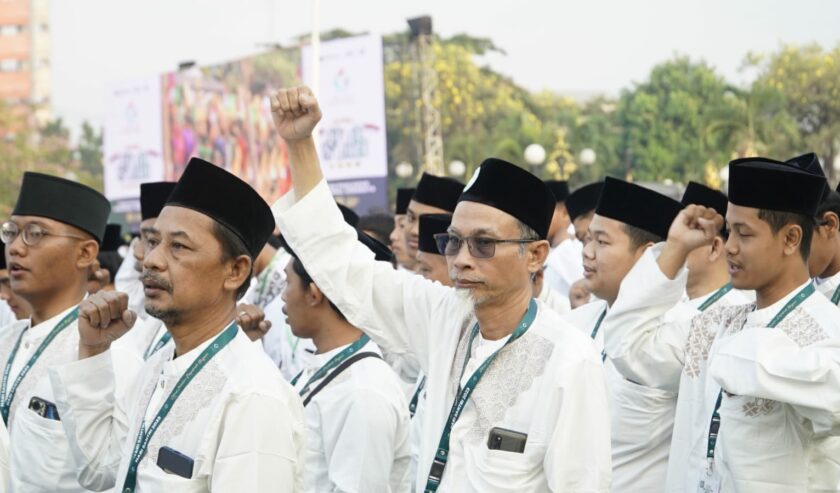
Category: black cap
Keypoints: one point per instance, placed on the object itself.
(212, 191)
(513, 190)
(430, 225)
(560, 189)
(698, 194)
(763, 183)
(583, 200)
(153, 197)
(350, 217)
(112, 239)
(637, 206)
(65, 201)
(403, 198)
(811, 163)
(438, 191)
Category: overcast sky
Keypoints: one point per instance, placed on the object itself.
(572, 46)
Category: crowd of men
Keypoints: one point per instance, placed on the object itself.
(513, 336)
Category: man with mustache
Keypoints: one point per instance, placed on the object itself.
(516, 398)
(52, 241)
(209, 411)
(755, 400)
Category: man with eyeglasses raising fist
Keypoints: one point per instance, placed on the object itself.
(52, 240)
(516, 396)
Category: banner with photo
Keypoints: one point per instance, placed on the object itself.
(351, 136)
(132, 146)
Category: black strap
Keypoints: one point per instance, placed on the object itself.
(340, 368)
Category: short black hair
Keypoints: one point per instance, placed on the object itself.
(233, 247)
(306, 280)
(378, 225)
(779, 219)
(639, 237)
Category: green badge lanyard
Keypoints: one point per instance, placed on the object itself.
(145, 435)
(714, 425)
(412, 406)
(331, 364)
(595, 333)
(152, 349)
(442, 455)
(720, 293)
(835, 298)
(7, 394)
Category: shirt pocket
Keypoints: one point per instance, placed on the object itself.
(503, 471)
(41, 456)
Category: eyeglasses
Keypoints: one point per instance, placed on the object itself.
(479, 246)
(32, 233)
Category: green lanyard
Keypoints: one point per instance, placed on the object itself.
(720, 293)
(8, 394)
(145, 435)
(714, 425)
(332, 363)
(595, 333)
(442, 455)
(835, 298)
(412, 406)
(152, 349)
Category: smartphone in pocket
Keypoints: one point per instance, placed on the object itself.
(174, 462)
(506, 440)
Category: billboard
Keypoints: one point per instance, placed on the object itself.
(222, 114)
(132, 149)
(351, 136)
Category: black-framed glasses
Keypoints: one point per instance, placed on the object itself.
(32, 233)
(478, 246)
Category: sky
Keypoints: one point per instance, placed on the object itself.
(573, 47)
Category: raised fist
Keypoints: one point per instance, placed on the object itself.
(252, 321)
(295, 112)
(694, 227)
(103, 318)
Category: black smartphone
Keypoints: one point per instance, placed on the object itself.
(507, 440)
(174, 462)
(44, 408)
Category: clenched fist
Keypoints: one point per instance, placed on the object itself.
(295, 112)
(103, 318)
(252, 321)
(695, 226)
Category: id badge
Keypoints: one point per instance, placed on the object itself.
(709, 481)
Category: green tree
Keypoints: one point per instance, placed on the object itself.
(809, 78)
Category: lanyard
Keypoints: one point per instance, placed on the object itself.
(714, 425)
(412, 406)
(720, 293)
(835, 298)
(595, 333)
(8, 394)
(442, 454)
(332, 363)
(152, 349)
(145, 435)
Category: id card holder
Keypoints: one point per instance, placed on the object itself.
(709, 480)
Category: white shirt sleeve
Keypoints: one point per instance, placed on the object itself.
(127, 280)
(766, 363)
(644, 345)
(391, 306)
(360, 447)
(259, 447)
(95, 422)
